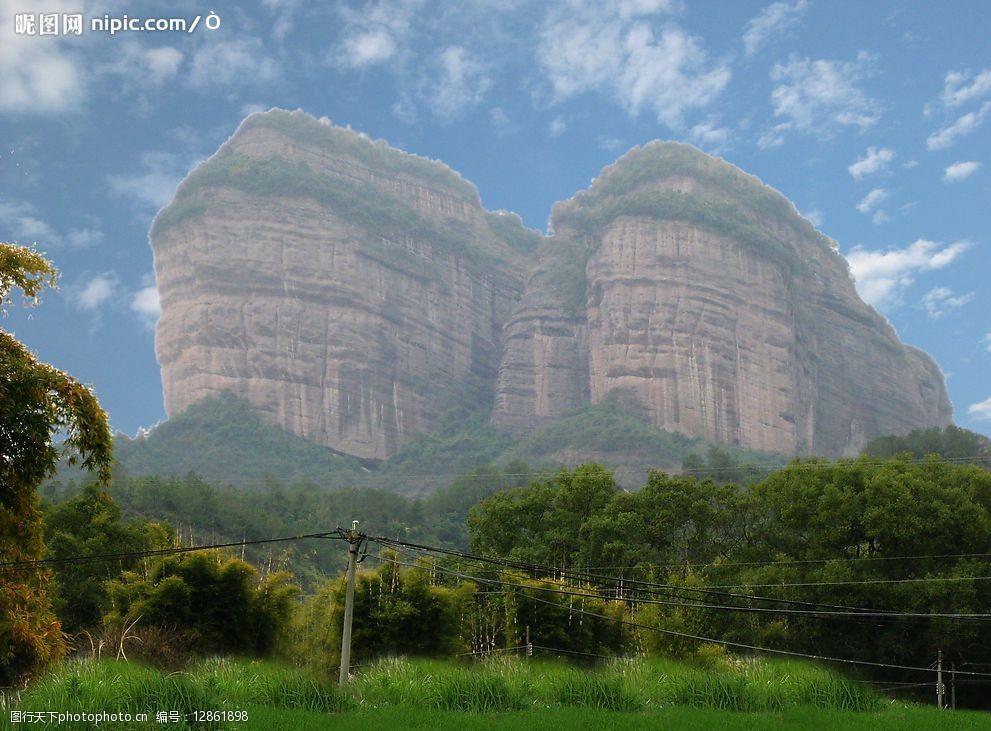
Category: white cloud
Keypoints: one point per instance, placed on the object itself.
(966, 124)
(99, 290)
(83, 238)
(960, 171)
(557, 127)
(610, 144)
(621, 49)
(773, 20)
(882, 276)
(461, 83)
(284, 11)
(774, 137)
(939, 301)
(140, 68)
(501, 122)
(39, 75)
(709, 135)
(252, 108)
(239, 60)
(874, 160)
(960, 87)
(155, 183)
(145, 303)
(374, 34)
(161, 63)
(981, 411)
(20, 222)
(879, 217)
(987, 341)
(368, 48)
(871, 200)
(814, 217)
(819, 97)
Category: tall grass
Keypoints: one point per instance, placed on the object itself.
(509, 684)
(108, 686)
(496, 685)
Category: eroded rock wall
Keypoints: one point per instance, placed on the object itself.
(703, 298)
(347, 337)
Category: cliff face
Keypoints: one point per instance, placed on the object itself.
(348, 291)
(717, 312)
(352, 293)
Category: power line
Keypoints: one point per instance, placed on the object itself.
(712, 640)
(789, 562)
(850, 582)
(535, 568)
(867, 614)
(52, 562)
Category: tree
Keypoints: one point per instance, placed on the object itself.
(203, 603)
(91, 524)
(543, 523)
(37, 403)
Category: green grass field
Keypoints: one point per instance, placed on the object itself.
(500, 694)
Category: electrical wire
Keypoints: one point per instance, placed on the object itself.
(873, 616)
(789, 562)
(712, 640)
(336, 534)
(536, 568)
(850, 582)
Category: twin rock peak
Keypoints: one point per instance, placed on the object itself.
(353, 294)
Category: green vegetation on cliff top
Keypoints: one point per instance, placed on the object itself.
(658, 161)
(740, 212)
(360, 203)
(375, 154)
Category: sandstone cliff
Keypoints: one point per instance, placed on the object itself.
(349, 291)
(715, 309)
(353, 294)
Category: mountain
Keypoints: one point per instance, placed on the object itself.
(364, 300)
(718, 311)
(349, 291)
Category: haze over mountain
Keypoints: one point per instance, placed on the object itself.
(355, 295)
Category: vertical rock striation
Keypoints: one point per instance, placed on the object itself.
(353, 294)
(349, 291)
(715, 309)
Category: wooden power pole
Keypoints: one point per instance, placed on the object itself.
(939, 681)
(353, 538)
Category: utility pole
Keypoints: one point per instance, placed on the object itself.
(353, 539)
(529, 647)
(939, 680)
(953, 686)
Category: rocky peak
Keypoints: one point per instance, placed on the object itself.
(354, 294)
(349, 291)
(702, 295)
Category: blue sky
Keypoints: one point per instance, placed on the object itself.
(873, 118)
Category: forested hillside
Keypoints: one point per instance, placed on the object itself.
(221, 440)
